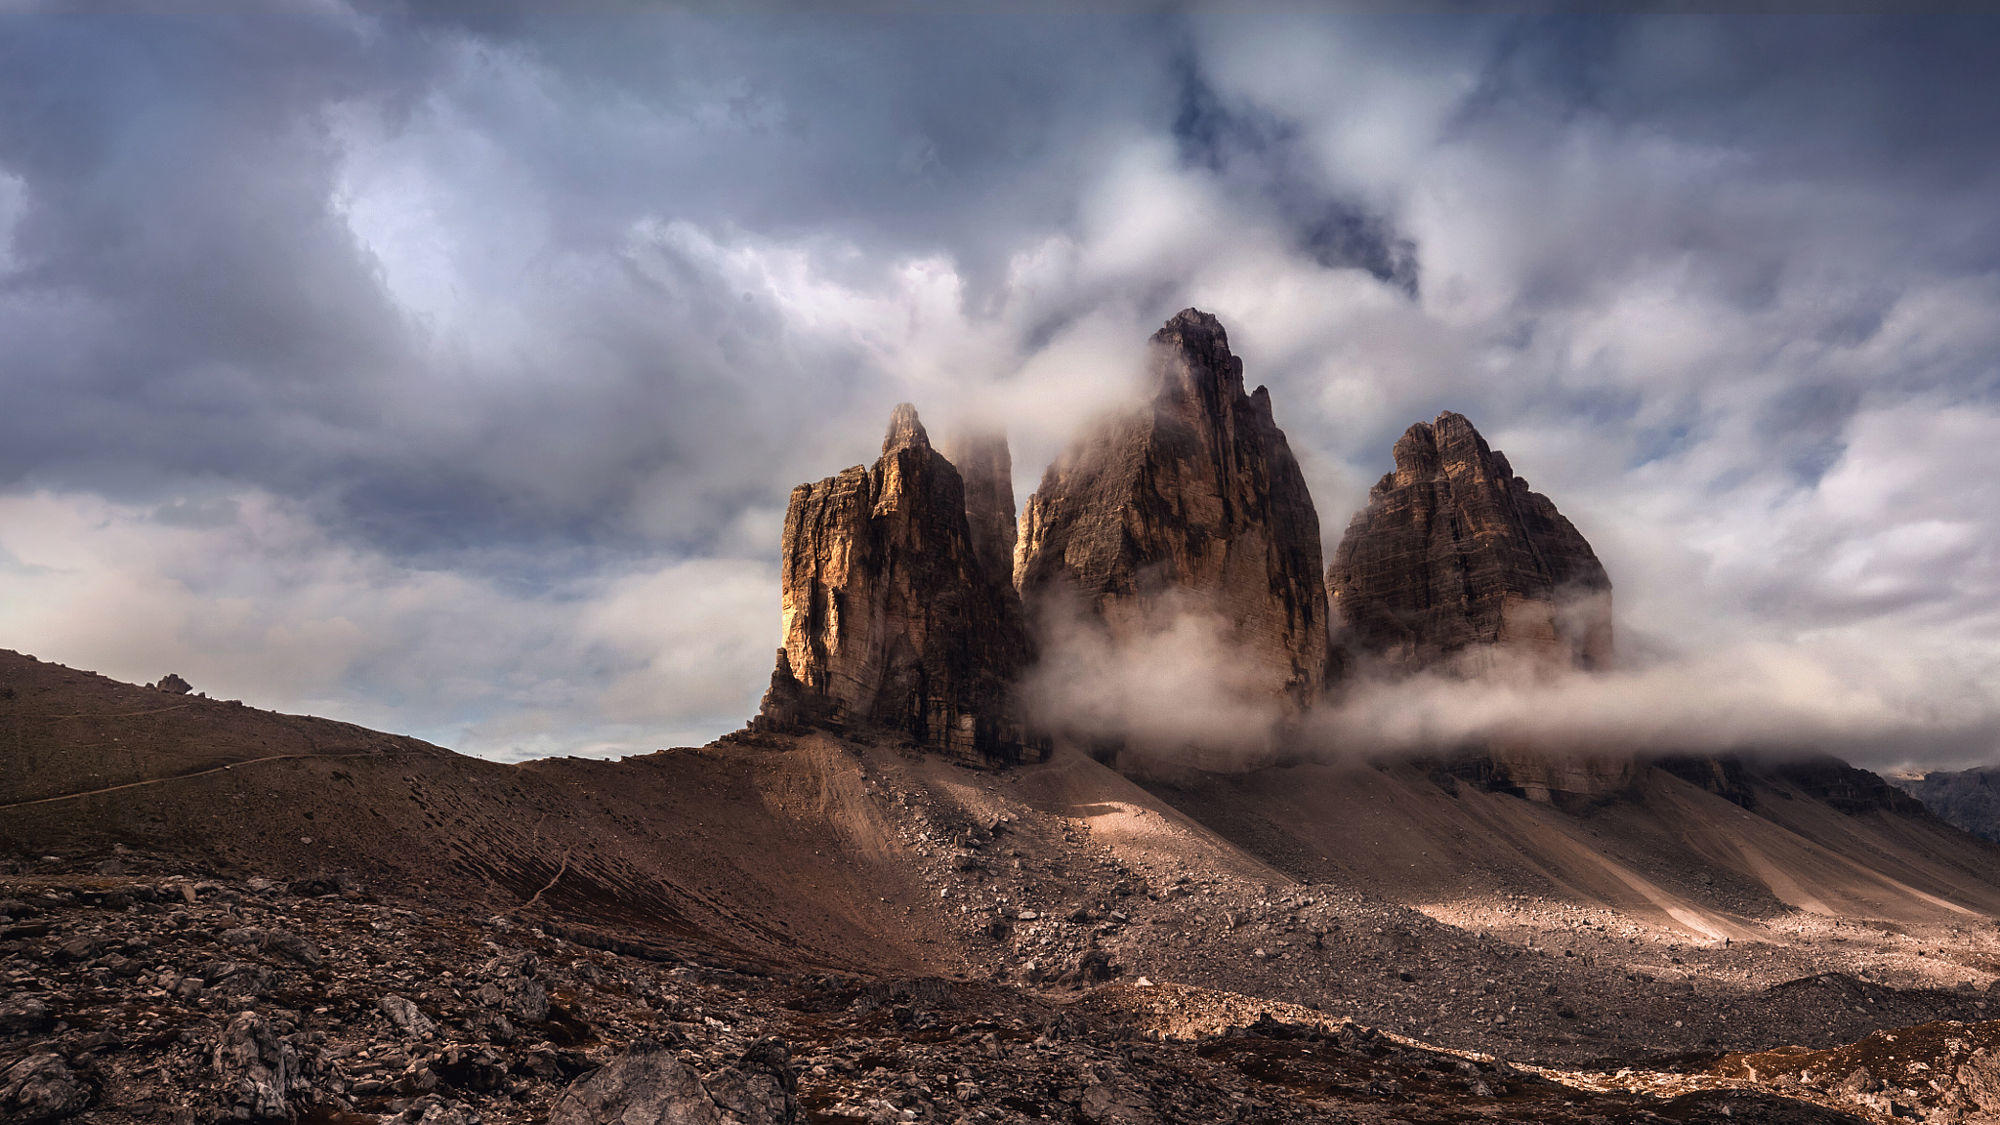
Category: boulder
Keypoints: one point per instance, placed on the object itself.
(761, 1089)
(1192, 502)
(891, 617)
(1455, 558)
(406, 1017)
(23, 1013)
(644, 1086)
(1979, 1081)
(41, 1087)
(255, 1067)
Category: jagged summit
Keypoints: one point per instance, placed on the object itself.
(1192, 501)
(1454, 551)
(906, 431)
(1200, 337)
(891, 617)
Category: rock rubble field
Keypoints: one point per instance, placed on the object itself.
(176, 997)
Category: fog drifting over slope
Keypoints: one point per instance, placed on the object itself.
(449, 372)
(1176, 697)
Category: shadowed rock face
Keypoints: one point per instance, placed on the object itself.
(987, 469)
(891, 619)
(1453, 551)
(1968, 799)
(1192, 502)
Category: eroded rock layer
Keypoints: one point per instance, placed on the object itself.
(1195, 503)
(891, 618)
(1454, 551)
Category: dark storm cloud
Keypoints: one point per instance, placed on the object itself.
(194, 300)
(1256, 153)
(466, 353)
(179, 282)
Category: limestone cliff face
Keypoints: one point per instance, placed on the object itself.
(1454, 552)
(1193, 501)
(891, 618)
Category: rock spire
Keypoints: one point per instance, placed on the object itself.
(891, 618)
(1454, 552)
(1194, 500)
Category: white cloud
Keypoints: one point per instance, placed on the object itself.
(254, 601)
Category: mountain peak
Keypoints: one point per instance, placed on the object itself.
(892, 618)
(1191, 501)
(905, 430)
(1191, 325)
(1454, 552)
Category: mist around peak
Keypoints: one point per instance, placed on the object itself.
(1181, 694)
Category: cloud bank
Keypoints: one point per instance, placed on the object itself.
(447, 369)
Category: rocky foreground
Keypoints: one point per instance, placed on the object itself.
(139, 993)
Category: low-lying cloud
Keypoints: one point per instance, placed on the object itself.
(1878, 708)
(1180, 691)
(1178, 696)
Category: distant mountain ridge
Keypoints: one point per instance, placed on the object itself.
(1969, 799)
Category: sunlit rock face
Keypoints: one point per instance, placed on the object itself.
(892, 619)
(1192, 503)
(1455, 561)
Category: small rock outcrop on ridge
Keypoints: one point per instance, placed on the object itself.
(891, 619)
(1192, 501)
(1454, 551)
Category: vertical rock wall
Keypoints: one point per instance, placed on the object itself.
(1193, 501)
(987, 469)
(891, 617)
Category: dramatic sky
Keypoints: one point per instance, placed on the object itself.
(449, 373)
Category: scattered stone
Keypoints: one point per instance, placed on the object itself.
(1106, 1104)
